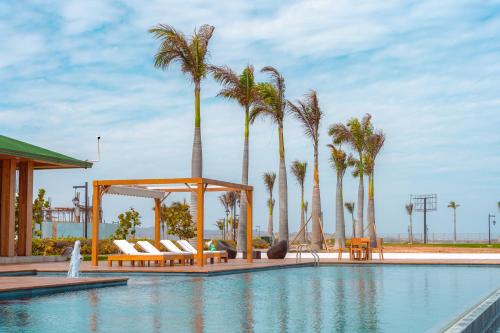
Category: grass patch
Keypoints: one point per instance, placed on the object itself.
(88, 257)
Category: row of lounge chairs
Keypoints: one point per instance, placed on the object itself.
(185, 255)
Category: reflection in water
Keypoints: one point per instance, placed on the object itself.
(282, 293)
(198, 304)
(317, 303)
(94, 302)
(156, 300)
(340, 303)
(19, 318)
(367, 296)
(248, 302)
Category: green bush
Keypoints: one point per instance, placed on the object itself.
(54, 247)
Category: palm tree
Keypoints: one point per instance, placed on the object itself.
(225, 201)
(191, 53)
(374, 144)
(299, 170)
(350, 208)
(306, 207)
(454, 205)
(272, 104)
(355, 133)
(409, 210)
(243, 89)
(338, 160)
(309, 114)
(269, 179)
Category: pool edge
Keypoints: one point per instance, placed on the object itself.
(483, 317)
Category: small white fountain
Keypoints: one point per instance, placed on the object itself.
(74, 266)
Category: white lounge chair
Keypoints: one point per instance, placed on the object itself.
(149, 248)
(129, 253)
(186, 246)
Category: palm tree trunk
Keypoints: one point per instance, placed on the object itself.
(316, 206)
(302, 237)
(339, 216)
(411, 229)
(455, 225)
(270, 230)
(283, 190)
(242, 226)
(353, 225)
(361, 202)
(196, 159)
(371, 211)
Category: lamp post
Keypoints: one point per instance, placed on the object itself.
(491, 218)
(226, 224)
(86, 216)
(258, 230)
(235, 225)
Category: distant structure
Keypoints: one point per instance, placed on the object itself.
(424, 203)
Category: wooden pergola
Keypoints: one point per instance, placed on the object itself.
(159, 189)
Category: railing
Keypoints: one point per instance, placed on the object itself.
(314, 253)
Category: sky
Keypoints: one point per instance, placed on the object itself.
(427, 71)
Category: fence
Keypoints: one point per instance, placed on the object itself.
(436, 237)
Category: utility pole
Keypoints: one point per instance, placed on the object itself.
(491, 218)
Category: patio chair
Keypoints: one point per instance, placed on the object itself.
(183, 257)
(380, 248)
(220, 255)
(172, 247)
(129, 253)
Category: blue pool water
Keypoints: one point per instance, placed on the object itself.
(327, 299)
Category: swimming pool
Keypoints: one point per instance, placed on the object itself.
(383, 298)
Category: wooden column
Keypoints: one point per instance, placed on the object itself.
(249, 225)
(157, 222)
(95, 223)
(199, 226)
(25, 229)
(7, 208)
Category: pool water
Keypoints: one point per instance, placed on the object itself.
(382, 298)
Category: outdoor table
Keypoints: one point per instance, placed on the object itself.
(364, 245)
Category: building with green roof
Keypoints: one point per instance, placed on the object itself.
(18, 160)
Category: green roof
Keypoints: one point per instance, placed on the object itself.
(12, 147)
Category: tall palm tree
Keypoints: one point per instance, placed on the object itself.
(191, 53)
(309, 114)
(269, 179)
(299, 170)
(409, 210)
(374, 144)
(306, 208)
(243, 89)
(350, 208)
(355, 133)
(338, 160)
(454, 206)
(272, 104)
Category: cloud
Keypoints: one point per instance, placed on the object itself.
(427, 71)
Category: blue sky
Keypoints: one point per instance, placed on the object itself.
(427, 71)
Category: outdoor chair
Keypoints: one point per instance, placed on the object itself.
(129, 253)
(220, 255)
(182, 257)
(380, 248)
(360, 249)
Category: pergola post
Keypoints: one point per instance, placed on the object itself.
(95, 223)
(199, 226)
(25, 209)
(7, 208)
(249, 194)
(157, 222)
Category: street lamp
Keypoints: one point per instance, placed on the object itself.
(226, 224)
(491, 218)
(86, 218)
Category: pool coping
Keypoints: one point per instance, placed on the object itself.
(17, 292)
(483, 317)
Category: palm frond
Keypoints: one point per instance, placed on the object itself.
(309, 114)
(350, 207)
(409, 208)
(338, 159)
(269, 179)
(299, 170)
